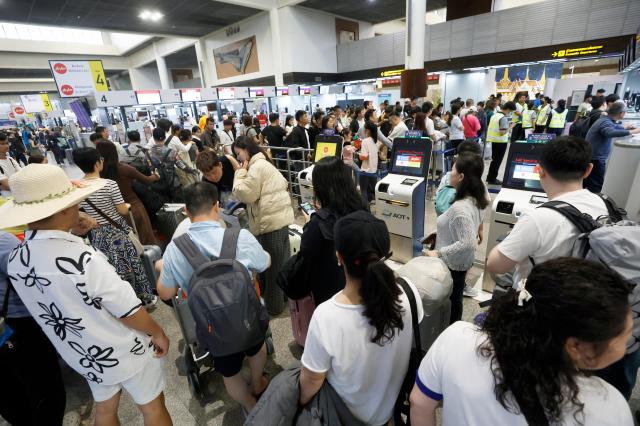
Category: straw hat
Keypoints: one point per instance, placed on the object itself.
(39, 191)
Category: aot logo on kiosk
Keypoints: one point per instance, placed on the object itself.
(67, 90)
(19, 110)
(60, 68)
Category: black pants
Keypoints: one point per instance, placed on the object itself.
(517, 133)
(368, 186)
(456, 295)
(33, 390)
(539, 128)
(455, 143)
(595, 180)
(497, 155)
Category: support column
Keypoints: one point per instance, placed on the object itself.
(413, 82)
(204, 65)
(133, 77)
(416, 10)
(276, 45)
(163, 71)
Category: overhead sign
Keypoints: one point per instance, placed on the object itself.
(170, 96)
(18, 111)
(391, 73)
(35, 103)
(78, 78)
(191, 95)
(148, 96)
(209, 94)
(116, 98)
(269, 91)
(242, 92)
(226, 93)
(578, 51)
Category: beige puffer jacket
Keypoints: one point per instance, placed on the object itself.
(265, 192)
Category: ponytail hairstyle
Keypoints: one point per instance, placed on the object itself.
(246, 142)
(472, 166)
(380, 296)
(454, 111)
(363, 243)
(526, 339)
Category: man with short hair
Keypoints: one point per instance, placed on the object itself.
(274, 134)
(205, 231)
(357, 124)
(600, 92)
(134, 150)
(299, 134)
(543, 114)
(600, 136)
(610, 99)
(218, 170)
(227, 135)
(517, 132)
(584, 108)
(542, 234)
(467, 106)
(102, 133)
(498, 135)
(210, 138)
(400, 129)
(91, 316)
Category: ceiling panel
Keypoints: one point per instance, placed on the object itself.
(194, 18)
(369, 11)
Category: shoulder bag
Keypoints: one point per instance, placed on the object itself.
(130, 234)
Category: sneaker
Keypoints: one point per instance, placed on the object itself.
(470, 291)
(150, 304)
(494, 182)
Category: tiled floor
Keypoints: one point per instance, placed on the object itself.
(185, 409)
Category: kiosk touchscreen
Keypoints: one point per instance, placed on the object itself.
(521, 192)
(400, 196)
(326, 146)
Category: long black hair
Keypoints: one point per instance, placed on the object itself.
(109, 155)
(472, 166)
(526, 344)
(378, 289)
(245, 142)
(454, 110)
(334, 188)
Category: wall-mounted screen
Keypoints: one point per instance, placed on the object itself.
(226, 93)
(148, 97)
(282, 91)
(256, 92)
(190, 95)
(242, 92)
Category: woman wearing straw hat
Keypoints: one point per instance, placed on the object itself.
(91, 316)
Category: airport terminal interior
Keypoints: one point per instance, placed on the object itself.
(320, 212)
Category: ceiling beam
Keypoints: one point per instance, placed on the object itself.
(285, 3)
(254, 4)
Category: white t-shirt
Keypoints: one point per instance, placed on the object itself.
(454, 372)
(8, 166)
(456, 130)
(430, 127)
(369, 147)
(367, 376)
(545, 234)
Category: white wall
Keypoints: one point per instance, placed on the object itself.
(309, 40)
(145, 78)
(475, 85)
(365, 30)
(508, 4)
(258, 26)
(562, 89)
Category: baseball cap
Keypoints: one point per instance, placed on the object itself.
(359, 235)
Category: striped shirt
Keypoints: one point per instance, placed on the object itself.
(106, 200)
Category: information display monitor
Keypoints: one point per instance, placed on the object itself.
(327, 146)
(411, 156)
(190, 95)
(523, 167)
(540, 137)
(226, 93)
(146, 97)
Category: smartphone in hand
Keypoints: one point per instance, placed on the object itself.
(307, 208)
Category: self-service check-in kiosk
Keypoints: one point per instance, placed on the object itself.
(326, 146)
(521, 191)
(400, 196)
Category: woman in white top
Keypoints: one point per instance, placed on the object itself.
(531, 361)
(360, 339)
(369, 156)
(456, 129)
(288, 124)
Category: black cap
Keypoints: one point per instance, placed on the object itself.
(359, 235)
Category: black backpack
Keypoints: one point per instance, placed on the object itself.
(222, 298)
(169, 184)
(581, 127)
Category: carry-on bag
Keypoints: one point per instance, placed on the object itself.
(152, 253)
(301, 312)
(169, 217)
(295, 237)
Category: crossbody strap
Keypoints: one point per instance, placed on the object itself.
(104, 215)
(414, 311)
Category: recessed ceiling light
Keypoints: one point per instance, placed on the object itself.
(149, 15)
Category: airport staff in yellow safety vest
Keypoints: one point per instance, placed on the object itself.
(498, 135)
(558, 118)
(517, 133)
(528, 117)
(543, 114)
(202, 123)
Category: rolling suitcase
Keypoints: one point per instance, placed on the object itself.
(151, 254)
(433, 281)
(168, 218)
(68, 153)
(301, 312)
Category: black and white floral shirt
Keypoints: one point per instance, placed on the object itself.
(77, 298)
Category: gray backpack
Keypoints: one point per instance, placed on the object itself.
(612, 241)
(222, 298)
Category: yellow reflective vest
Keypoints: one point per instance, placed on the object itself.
(542, 115)
(558, 119)
(527, 119)
(518, 119)
(493, 130)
